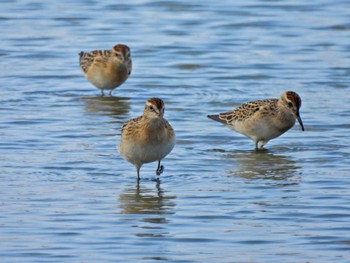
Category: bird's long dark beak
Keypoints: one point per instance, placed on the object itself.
(300, 121)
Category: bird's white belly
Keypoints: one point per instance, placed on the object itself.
(146, 153)
(259, 130)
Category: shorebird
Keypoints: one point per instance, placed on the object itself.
(106, 69)
(263, 120)
(147, 138)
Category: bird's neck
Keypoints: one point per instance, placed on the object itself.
(154, 122)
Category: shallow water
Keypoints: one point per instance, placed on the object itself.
(66, 194)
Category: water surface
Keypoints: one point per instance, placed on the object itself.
(67, 195)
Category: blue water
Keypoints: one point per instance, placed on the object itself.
(67, 195)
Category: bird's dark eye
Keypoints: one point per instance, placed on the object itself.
(290, 105)
(151, 108)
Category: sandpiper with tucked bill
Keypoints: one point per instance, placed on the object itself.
(263, 120)
(107, 69)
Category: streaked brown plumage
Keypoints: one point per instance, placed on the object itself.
(147, 138)
(263, 120)
(107, 69)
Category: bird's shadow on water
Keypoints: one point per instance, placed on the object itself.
(264, 164)
(116, 107)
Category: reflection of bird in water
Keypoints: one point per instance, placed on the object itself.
(142, 200)
(109, 106)
(263, 165)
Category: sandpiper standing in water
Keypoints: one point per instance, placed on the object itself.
(107, 69)
(147, 138)
(263, 120)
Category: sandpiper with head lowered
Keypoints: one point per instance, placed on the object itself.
(107, 69)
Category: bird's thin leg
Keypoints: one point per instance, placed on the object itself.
(102, 93)
(160, 169)
(138, 173)
(110, 93)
